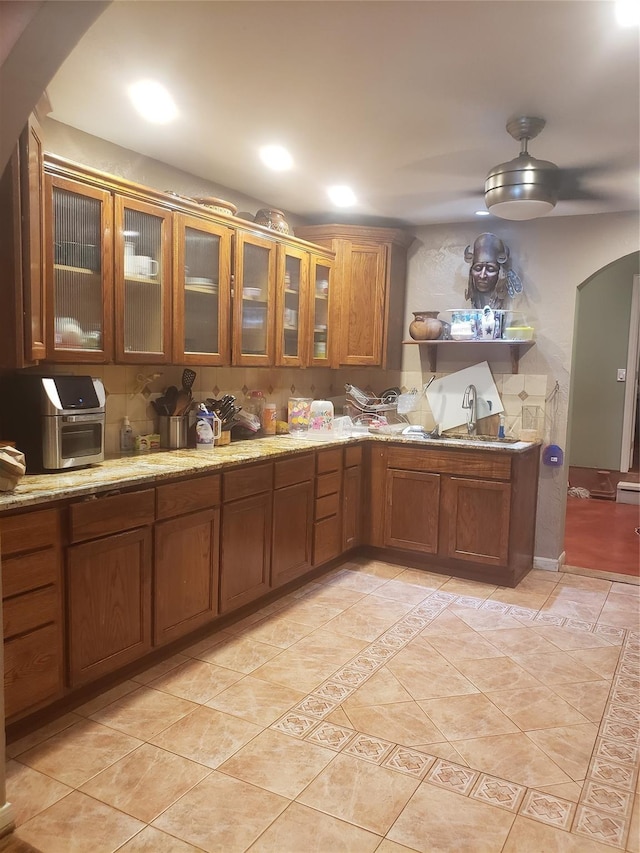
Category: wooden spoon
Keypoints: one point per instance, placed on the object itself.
(183, 402)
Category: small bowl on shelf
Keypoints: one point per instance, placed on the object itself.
(252, 292)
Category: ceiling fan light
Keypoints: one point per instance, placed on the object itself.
(523, 188)
(520, 209)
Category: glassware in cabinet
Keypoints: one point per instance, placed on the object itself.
(253, 305)
(142, 279)
(80, 272)
(321, 271)
(292, 287)
(202, 274)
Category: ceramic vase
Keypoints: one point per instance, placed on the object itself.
(425, 326)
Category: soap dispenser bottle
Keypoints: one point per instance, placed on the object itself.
(126, 435)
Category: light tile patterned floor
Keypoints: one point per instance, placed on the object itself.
(378, 708)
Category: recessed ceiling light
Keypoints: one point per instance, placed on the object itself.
(276, 157)
(482, 213)
(627, 13)
(342, 196)
(153, 102)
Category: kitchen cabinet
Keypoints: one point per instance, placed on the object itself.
(245, 554)
(80, 271)
(108, 269)
(412, 510)
(32, 610)
(322, 339)
(142, 271)
(186, 564)
(477, 520)
(138, 276)
(108, 580)
(254, 288)
(352, 493)
(370, 279)
(22, 247)
(468, 512)
(201, 294)
(292, 518)
(292, 301)
(327, 527)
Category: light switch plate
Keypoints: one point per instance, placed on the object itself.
(622, 375)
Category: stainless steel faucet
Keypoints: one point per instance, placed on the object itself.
(469, 401)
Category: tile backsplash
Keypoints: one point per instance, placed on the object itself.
(130, 390)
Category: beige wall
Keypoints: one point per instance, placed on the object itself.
(552, 256)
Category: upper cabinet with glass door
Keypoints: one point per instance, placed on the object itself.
(142, 282)
(202, 285)
(292, 288)
(80, 275)
(253, 299)
(322, 313)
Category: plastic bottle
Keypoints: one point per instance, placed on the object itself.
(269, 419)
(501, 427)
(126, 435)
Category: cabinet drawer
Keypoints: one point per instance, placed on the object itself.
(179, 498)
(329, 460)
(247, 481)
(328, 505)
(29, 531)
(466, 463)
(32, 669)
(352, 456)
(112, 514)
(288, 472)
(328, 484)
(32, 610)
(327, 540)
(29, 571)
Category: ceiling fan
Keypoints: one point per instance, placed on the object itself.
(525, 187)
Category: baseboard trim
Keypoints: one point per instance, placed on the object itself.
(7, 819)
(549, 565)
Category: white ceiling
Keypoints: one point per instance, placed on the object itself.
(405, 101)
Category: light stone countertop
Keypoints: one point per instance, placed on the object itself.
(152, 467)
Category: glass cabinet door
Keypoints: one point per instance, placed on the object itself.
(321, 302)
(291, 306)
(254, 292)
(80, 284)
(202, 292)
(142, 279)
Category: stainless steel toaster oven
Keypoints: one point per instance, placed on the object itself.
(57, 421)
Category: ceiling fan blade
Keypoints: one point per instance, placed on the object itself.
(467, 163)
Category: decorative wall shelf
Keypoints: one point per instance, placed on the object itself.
(516, 348)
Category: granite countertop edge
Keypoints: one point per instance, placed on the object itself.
(154, 467)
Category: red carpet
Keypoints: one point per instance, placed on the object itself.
(602, 535)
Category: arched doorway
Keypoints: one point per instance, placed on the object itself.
(599, 528)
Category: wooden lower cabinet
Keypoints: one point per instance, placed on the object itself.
(108, 603)
(185, 593)
(351, 508)
(292, 526)
(245, 551)
(470, 513)
(412, 510)
(478, 513)
(32, 610)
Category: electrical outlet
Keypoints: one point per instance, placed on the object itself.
(622, 375)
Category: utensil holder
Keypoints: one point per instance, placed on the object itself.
(173, 431)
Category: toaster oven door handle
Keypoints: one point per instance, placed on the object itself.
(79, 419)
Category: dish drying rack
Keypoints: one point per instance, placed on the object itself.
(392, 404)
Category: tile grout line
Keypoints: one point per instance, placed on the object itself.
(597, 813)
